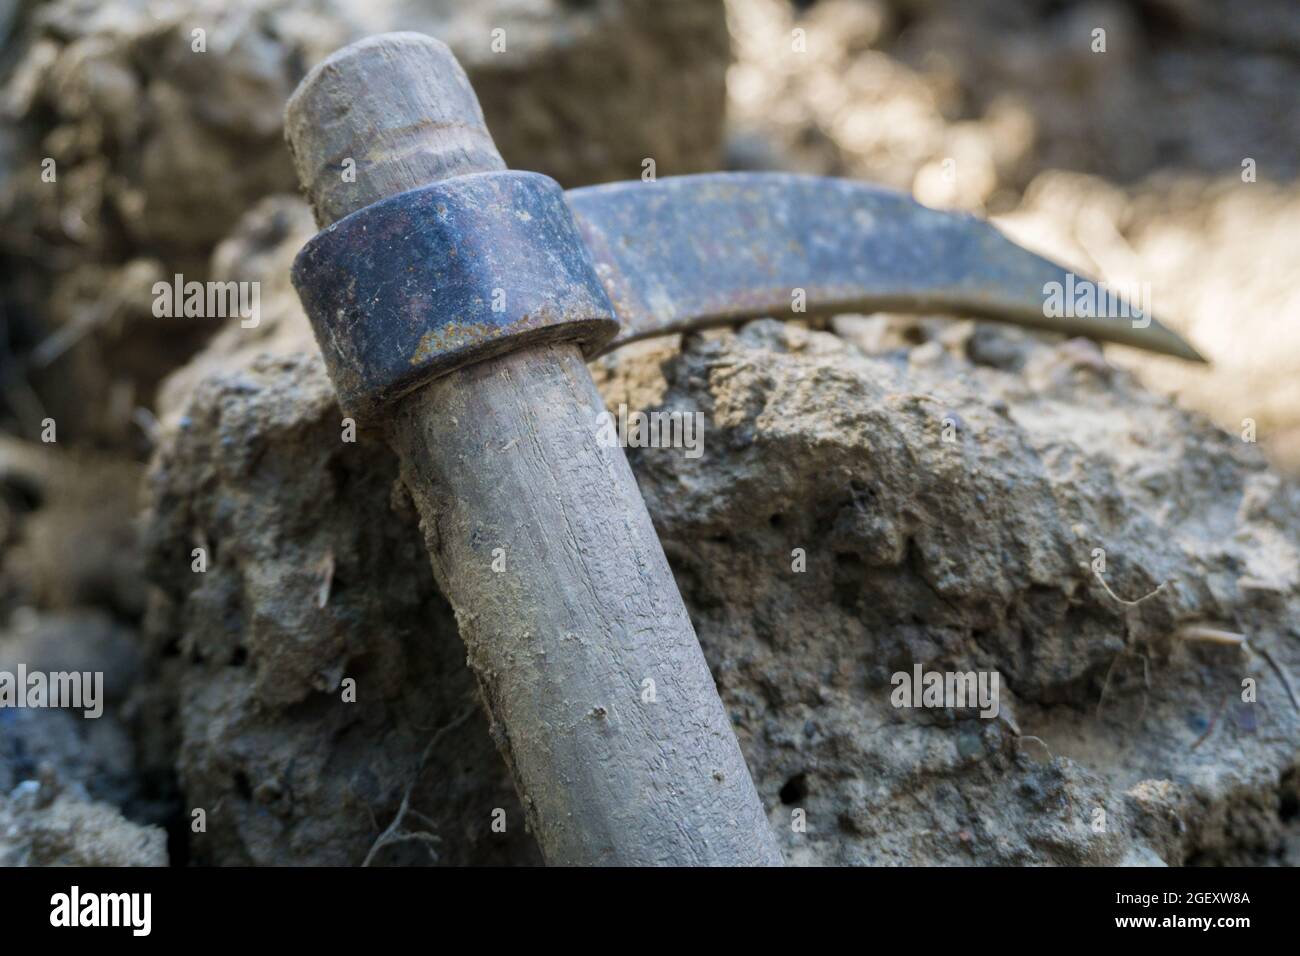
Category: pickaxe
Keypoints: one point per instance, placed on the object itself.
(455, 302)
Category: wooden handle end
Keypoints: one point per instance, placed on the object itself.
(383, 115)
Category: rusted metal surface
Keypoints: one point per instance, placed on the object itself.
(418, 284)
(413, 286)
(693, 251)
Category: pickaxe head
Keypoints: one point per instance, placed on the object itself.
(693, 251)
(477, 265)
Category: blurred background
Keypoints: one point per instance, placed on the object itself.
(1155, 141)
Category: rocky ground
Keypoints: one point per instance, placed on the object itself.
(948, 483)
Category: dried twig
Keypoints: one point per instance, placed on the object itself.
(394, 833)
(1211, 635)
(326, 570)
(1277, 669)
(1214, 635)
(1159, 587)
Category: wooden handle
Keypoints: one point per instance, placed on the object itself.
(600, 698)
(400, 108)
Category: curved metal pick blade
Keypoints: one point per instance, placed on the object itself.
(689, 252)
